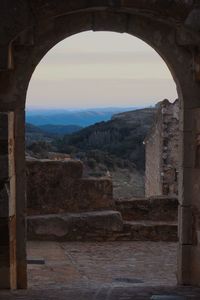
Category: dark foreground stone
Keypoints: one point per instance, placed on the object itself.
(55, 187)
(86, 226)
(102, 293)
(153, 208)
(149, 231)
(97, 226)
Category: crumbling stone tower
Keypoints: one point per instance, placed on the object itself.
(28, 30)
(162, 152)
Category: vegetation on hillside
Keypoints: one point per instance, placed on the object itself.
(112, 148)
(115, 143)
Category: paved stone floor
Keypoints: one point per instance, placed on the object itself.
(80, 264)
(102, 271)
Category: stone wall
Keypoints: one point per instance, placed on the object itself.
(157, 209)
(162, 152)
(153, 167)
(58, 187)
(171, 27)
(65, 206)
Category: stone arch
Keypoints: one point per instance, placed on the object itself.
(158, 23)
(59, 28)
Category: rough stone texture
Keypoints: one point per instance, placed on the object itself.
(153, 165)
(7, 212)
(162, 152)
(108, 292)
(149, 231)
(57, 186)
(154, 208)
(94, 264)
(98, 226)
(82, 271)
(29, 29)
(72, 227)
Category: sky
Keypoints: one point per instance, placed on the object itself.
(100, 69)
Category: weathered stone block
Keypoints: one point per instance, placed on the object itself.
(57, 186)
(192, 119)
(195, 265)
(116, 21)
(185, 225)
(189, 188)
(71, 227)
(184, 264)
(193, 20)
(19, 123)
(93, 194)
(189, 149)
(154, 208)
(84, 21)
(163, 151)
(12, 194)
(150, 231)
(163, 208)
(71, 169)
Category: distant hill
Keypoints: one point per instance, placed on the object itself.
(48, 133)
(118, 141)
(81, 118)
(35, 134)
(59, 129)
(30, 128)
(110, 148)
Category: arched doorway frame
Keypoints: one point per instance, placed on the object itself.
(161, 37)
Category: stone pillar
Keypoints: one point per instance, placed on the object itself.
(189, 207)
(7, 205)
(20, 172)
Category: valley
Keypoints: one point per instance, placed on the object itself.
(111, 148)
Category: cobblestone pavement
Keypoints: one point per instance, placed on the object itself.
(66, 264)
(102, 271)
(102, 293)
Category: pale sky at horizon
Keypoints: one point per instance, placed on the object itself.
(100, 69)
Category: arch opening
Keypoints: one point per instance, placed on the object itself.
(108, 77)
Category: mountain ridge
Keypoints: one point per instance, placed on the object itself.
(81, 118)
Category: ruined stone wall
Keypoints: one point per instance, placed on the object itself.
(153, 167)
(170, 157)
(58, 187)
(162, 152)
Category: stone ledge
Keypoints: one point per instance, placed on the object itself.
(70, 168)
(153, 208)
(151, 231)
(86, 226)
(98, 226)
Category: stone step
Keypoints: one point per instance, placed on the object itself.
(98, 226)
(149, 231)
(154, 208)
(87, 226)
